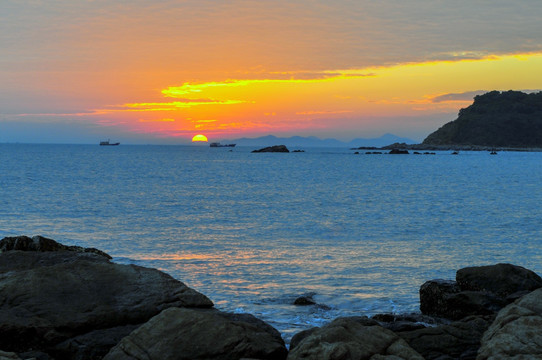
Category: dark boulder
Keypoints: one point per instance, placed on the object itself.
(351, 338)
(186, 334)
(502, 280)
(457, 340)
(40, 243)
(304, 300)
(275, 148)
(444, 298)
(68, 303)
(398, 152)
(434, 296)
(480, 290)
(298, 337)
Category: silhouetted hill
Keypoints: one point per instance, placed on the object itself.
(500, 119)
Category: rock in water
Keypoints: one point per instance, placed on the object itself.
(398, 151)
(352, 338)
(186, 334)
(276, 148)
(516, 332)
(65, 303)
(304, 301)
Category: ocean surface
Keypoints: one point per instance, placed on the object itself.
(360, 233)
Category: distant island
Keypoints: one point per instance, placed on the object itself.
(313, 141)
(508, 119)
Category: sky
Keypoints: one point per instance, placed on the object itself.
(162, 71)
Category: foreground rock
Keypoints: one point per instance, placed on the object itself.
(276, 148)
(186, 334)
(350, 338)
(503, 280)
(74, 304)
(482, 290)
(457, 340)
(516, 333)
(40, 243)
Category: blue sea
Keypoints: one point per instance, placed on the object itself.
(360, 233)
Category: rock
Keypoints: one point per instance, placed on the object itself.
(352, 338)
(276, 148)
(8, 356)
(516, 332)
(501, 279)
(94, 344)
(458, 340)
(480, 290)
(201, 334)
(40, 243)
(304, 300)
(406, 322)
(398, 151)
(298, 337)
(50, 297)
(434, 296)
(444, 298)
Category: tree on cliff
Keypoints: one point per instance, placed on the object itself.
(499, 119)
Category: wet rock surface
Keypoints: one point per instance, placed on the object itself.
(68, 302)
(351, 338)
(185, 334)
(52, 297)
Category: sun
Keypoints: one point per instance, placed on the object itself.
(199, 137)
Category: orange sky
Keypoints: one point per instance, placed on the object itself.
(147, 72)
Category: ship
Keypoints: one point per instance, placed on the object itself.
(108, 143)
(217, 144)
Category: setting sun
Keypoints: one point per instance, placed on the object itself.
(199, 137)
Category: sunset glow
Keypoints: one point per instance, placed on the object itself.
(322, 87)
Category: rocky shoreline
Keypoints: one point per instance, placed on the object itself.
(449, 147)
(67, 302)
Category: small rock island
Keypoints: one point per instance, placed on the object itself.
(274, 148)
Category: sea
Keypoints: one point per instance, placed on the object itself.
(253, 231)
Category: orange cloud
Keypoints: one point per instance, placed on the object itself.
(156, 120)
(323, 112)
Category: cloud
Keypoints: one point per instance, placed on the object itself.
(156, 120)
(168, 106)
(323, 112)
(191, 88)
(464, 96)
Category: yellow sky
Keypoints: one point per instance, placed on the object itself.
(163, 71)
(295, 103)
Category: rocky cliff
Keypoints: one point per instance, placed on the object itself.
(511, 119)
